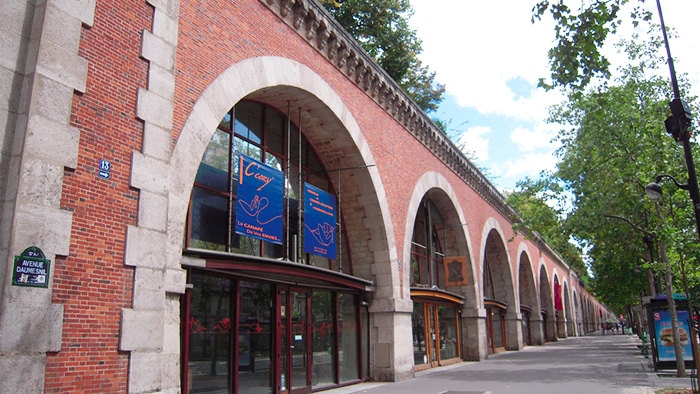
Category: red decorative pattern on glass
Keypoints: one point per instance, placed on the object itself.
(223, 326)
(196, 327)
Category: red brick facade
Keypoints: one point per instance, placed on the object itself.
(156, 73)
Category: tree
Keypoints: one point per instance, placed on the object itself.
(574, 61)
(576, 58)
(613, 143)
(532, 201)
(381, 27)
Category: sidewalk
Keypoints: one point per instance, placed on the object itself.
(579, 365)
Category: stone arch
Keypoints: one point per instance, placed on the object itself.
(592, 323)
(585, 314)
(570, 318)
(560, 314)
(276, 81)
(498, 289)
(578, 312)
(528, 300)
(547, 305)
(269, 79)
(435, 186)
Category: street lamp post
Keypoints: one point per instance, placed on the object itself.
(678, 126)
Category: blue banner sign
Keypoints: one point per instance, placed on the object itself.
(319, 222)
(664, 335)
(260, 201)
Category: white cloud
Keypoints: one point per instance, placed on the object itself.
(527, 140)
(477, 48)
(473, 143)
(529, 165)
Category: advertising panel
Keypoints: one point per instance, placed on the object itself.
(260, 201)
(664, 335)
(319, 222)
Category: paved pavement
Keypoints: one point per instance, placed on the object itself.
(579, 365)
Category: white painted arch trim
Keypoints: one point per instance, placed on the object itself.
(232, 85)
(493, 224)
(434, 180)
(522, 248)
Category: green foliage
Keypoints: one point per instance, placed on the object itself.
(613, 143)
(381, 27)
(576, 58)
(532, 200)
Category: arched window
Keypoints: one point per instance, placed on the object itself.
(426, 247)
(266, 135)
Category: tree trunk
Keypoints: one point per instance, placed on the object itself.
(680, 364)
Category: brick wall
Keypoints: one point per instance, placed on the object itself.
(92, 283)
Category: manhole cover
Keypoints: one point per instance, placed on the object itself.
(462, 392)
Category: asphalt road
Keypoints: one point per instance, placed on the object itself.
(579, 365)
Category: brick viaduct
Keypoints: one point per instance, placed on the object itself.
(143, 84)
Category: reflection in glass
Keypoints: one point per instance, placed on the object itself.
(298, 340)
(209, 228)
(432, 333)
(249, 121)
(419, 351)
(214, 168)
(284, 344)
(447, 316)
(365, 340)
(210, 335)
(323, 338)
(347, 337)
(261, 133)
(274, 131)
(255, 339)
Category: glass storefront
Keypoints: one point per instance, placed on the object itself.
(495, 326)
(436, 334)
(323, 338)
(447, 318)
(348, 331)
(253, 337)
(527, 335)
(247, 329)
(209, 335)
(435, 319)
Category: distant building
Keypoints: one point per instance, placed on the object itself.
(205, 196)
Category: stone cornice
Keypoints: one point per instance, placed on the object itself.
(316, 25)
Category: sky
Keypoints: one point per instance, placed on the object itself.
(490, 58)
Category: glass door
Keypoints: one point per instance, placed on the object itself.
(283, 342)
(420, 353)
(495, 327)
(208, 335)
(434, 345)
(436, 335)
(293, 339)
